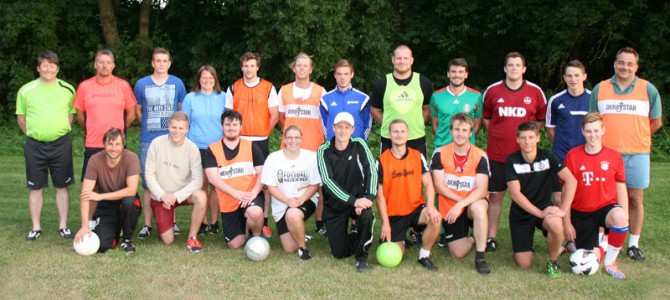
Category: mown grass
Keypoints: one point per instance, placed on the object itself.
(49, 268)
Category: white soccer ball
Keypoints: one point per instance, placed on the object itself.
(89, 244)
(257, 248)
(584, 262)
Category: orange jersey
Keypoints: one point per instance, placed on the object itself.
(252, 103)
(304, 114)
(401, 183)
(626, 117)
(238, 172)
(461, 183)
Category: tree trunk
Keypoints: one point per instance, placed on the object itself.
(145, 15)
(108, 22)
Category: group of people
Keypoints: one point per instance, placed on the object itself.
(210, 149)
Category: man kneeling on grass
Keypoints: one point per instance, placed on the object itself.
(403, 174)
(109, 201)
(173, 173)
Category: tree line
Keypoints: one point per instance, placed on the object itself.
(548, 32)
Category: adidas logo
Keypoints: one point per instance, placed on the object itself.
(333, 103)
(582, 168)
(561, 106)
(456, 101)
(501, 100)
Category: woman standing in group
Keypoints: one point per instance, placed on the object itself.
(204, 106)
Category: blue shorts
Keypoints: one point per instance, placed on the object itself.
(144, 150)
(637, 170)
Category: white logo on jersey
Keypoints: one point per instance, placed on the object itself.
(512, 112)
(604, 165)
(456, 101)
(466, 108)
(352, 102)
(587, 177)
(526, 100)
(349, 157)
(561, 106)
(501, 100)
(333, 103)
(582, 168)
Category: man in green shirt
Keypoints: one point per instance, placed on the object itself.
(452, 99)
(45, 113)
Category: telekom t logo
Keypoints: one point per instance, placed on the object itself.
(587, 177)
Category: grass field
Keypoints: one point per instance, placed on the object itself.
(49, 268)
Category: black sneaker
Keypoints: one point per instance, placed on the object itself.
(65, 233)
(175, 228)
(321, 230)
(203, 229)
(128, 246)
(635, 254)
(416, 237)
(33, 235)
(145, 232)
(442, 241)
(491, 245)
(212, 228)
(362, 266)
(482, 267)
(426, 263)
(304, 254)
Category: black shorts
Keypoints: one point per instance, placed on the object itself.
(522, 227)
(307, 209)
(264, 145)
(587, 226)
(234, 223)
(459, 229)
(88, 152)
(42, 158)
(497, 182)
(417, 144)
(400, 224)
(113, 217)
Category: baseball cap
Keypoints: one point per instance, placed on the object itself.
(344, 116)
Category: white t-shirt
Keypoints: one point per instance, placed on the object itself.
(291, 177)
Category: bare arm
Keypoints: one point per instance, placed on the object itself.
(622, 195)
(551, 133)
(426, 113)
(377, 114)
(138, 113)
(21, 119)
(478, 125)
(434, 123)
(81, 118)
(383, 214)
(129, 116)
(282, 117)
(655, 125)
(274, 116)
(485, 122)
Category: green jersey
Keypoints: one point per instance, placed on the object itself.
(444, 104)
(47, 109)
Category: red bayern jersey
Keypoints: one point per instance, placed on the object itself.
(597, 175)
(506, 109)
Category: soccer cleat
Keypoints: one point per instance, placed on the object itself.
(65, 233)
(266, 232)
(193, 244)
(442, 241)
(635, 254)
(482, 267)
(426, 263)
(128, 246)
(175, 228)
(553, 271)
(613, 270)
(145, 232)
(362, 266)
(308, 237)
(203, 229)
(213, 228)
(303, 253)
(321, 230)
(491, 244)
(33, 235)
